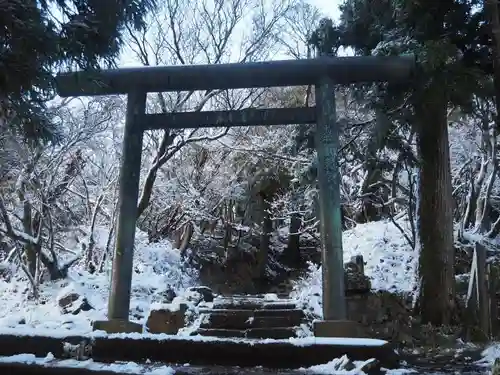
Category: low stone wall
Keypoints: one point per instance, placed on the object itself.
(384, 315)
(389, 317)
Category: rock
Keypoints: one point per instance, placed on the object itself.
(72, 302)
(167, 318)
(168, 295)
(206, 293)
(371, 366)
(193, 297)
(343, 364)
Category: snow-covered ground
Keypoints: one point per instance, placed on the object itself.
(338, 366)
(156, 267)
(391, 263)
(490, 355)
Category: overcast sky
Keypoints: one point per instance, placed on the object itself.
(328, 7)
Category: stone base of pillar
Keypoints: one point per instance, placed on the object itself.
(338, 328)
(117, 326)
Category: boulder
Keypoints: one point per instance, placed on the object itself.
(206, 294)
(371, 366)
(72, 302)
(168, 295)
(167, 318)
(192, 297)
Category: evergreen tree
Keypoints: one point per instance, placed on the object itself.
(40, 37)
(447, 37)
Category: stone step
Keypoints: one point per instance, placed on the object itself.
(231, 320)
(271, 333)
(251, 304)
(292, 313)
(285, 354)
(220, 332)
(252, 333)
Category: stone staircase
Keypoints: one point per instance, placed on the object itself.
(252, 317)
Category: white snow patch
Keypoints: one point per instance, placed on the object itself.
(400, 371)
(271, 297)
(490, 354)
(295, 341)
(301, 341)
(173, 306)
(120, 368)
(338, 367)
(344, 341)
(157, 267)
(391, 263)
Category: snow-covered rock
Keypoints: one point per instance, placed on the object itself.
(71, 301)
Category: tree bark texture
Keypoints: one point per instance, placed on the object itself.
(435, 209)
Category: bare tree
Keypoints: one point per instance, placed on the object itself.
(35, 207)
(300, 22)
(186, 32)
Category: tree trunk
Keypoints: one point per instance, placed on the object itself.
(493, 16)
(266, 231)
(186, 238)
(228, 237)
(369, 211)
(292, 251)
(434, 209)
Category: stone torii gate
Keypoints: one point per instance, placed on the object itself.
(324, 72)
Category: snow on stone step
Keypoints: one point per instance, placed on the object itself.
(213, 332)
(276, 333)
(253, 317)
(296, 313)
(26, 365)
(244, 319)
(251, 303)
(144, 349)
